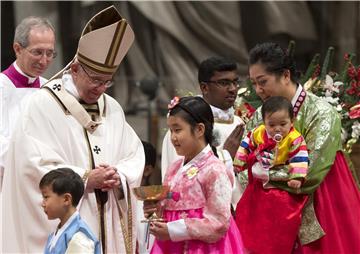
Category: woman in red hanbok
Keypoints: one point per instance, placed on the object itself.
(331, 217)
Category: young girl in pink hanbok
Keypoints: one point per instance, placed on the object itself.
(198, 217)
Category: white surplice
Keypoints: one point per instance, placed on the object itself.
(12, 100)
(48, 136)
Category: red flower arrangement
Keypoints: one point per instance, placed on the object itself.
(342, 90)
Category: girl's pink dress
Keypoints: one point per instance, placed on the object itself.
(205, 188)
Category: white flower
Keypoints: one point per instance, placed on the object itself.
(338, 108)
(355, 130)
(331, 100)
(328, 93)
(344, 135)
(330, 86)
(336, 86)
(242, 90)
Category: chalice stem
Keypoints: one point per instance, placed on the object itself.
(147, 236)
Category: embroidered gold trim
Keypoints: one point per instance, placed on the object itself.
(310, 228)
(218, 120)
(92, 165)
(91, 158)
(83, 57)
(127, 233)
(98, 202)
(90, 106)
(104, 107)
(115, 44)
(66, 111)
(86, 175)
(97, 67)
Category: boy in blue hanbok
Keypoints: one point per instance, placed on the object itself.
(62, 190)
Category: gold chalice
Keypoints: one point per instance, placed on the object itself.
(152, 193)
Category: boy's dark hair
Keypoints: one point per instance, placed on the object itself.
(276, 103)
(150, 153)
(209, 66)
(64, 180)
(274, 59)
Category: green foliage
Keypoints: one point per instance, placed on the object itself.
(342, 90)
(327, 63)
(291, 48)
(312, 69)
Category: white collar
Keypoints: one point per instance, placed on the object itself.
(188, 165)
(221, 114)
(297, 94)
(69, 85)
(198, 157)
(30, 79)
(58, 233)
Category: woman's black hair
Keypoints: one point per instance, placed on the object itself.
(274, 58)
(276, 103)
(195, 110)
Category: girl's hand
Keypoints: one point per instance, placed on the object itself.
(159, 230)
(296, 184)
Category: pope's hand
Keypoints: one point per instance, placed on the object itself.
(103, 177)
(112, 178)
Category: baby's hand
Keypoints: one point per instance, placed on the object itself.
(296, 184)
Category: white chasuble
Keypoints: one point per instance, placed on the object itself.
(52, 134)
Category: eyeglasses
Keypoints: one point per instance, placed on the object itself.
(98, 82)
(38, 53)
(226, 83)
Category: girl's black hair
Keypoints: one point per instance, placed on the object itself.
(276, 103)
(195, 110)
(274, 58)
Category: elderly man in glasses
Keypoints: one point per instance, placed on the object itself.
(219, 83)
(72, 123)
(34, 46)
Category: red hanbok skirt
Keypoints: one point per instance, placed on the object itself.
(337, 207)
(269, 219)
